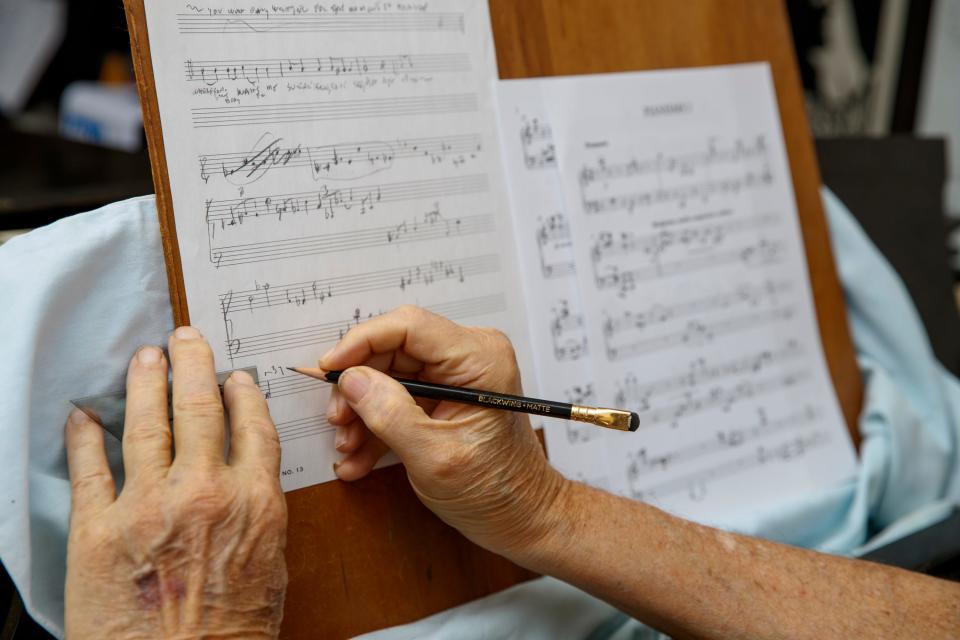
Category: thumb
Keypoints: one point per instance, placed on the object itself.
(387, 409)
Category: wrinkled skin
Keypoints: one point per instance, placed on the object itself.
(193, 545)
(481, 470)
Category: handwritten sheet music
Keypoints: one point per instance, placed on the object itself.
(329, 161)
(685, 277)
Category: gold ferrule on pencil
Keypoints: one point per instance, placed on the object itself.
(609, 418)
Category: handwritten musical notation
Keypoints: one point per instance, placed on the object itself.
(317, 291)
(248, 346)
(327, 202)
(537, 144)
(319, 182)
(321, 18)
(430, 226)
(213, 72)
(289, 385)
(302, 112)
(345, 161)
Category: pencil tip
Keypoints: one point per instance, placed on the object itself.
(294, 369)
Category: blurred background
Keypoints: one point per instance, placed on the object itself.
(882, 83)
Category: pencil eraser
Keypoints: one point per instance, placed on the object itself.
(634, 421)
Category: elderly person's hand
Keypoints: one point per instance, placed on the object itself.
(481, 470)
(193, 545)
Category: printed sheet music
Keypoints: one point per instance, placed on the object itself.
(657, 229)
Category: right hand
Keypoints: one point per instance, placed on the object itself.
(481, 470)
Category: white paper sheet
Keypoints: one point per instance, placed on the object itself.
(558, 333)
(330, 161)
(693, 284)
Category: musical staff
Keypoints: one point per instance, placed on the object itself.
(643, 462)
(683, 164)
(297, 294)
(607, 244)
(630, 392)
(344, 161)
(555, 247)
(696, 333)
(261, 20)
(303, 428)
(667, 179)
(719, 397)
(329, 332)
(327, 202)
(762, 252)
(430, 226)
(681, 195)
(289, 385)
(697, 483)
(243, 115)
(744, 294)
(213, 72)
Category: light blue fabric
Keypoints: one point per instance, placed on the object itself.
(81, 295)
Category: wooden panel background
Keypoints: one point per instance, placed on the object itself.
(367, 555)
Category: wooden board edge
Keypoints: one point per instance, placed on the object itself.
(150, 107)
(825, 283)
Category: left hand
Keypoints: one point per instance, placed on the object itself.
(193, 545)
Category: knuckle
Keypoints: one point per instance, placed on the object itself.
(495, 350)
(257, 425)
(208, 498)
(267, 502)
(199, 403)
(410, 311)
(92, 481)
(192, 348)
(502, 345)
(449, 463)
(263, 430)
(392, 411)
(147, 430)
(94, 537)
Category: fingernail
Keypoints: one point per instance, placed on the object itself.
(186, 333)
(324, 357)
(354, 384)
(77, 417)
(242, 377)
(341, 438)
(149, 355)
(333, 408)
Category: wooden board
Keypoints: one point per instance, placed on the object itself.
(367, 555)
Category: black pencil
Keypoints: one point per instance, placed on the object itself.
(609, 418)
